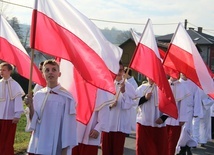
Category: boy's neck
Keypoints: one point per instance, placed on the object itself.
(6, 78)
(52, 85)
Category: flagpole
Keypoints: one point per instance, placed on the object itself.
(117, 95)
(32, 44)
(31, 73)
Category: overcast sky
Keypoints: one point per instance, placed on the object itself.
(164, 14)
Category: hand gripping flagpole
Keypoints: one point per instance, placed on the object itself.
(118, 94)
(28, 98)
(126, 75)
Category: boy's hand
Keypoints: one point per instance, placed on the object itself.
(159, 121)
(15, 120)
(94, 134)
(148, 95)
(114, 104)
(122, 87)
(28, 100)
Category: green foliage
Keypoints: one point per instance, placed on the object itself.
(22, 138)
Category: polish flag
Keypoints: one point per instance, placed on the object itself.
(147, 61)
(12, 51)
(169, 71)
(135, 36)
(183, 56)
(58, 29)
(83, 92)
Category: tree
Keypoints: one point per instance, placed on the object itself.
(14, 22)
(123, 36)
(26, 37)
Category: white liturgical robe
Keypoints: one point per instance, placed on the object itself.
(119, 119)
(11, 105)
(180, 93)
(149, 112)
(97, 122)
(53, 123)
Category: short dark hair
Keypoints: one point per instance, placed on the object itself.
(41, 63)
(9, 66)
(130, 71)
(120, 62)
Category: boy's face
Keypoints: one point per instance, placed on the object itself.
(51, 73)
(121, 72)
(4, 72)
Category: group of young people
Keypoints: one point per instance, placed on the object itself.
(55, 130)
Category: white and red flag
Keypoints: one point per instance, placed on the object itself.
(60, 30)
(12, 51)
(183, 56)
(169, 71)
(84, 93)
(147, 61)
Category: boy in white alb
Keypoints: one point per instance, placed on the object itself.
(119, 118)
(11, 108)
(52, 113)
(132, 81)
(186, 140)
(151, 129)
(174, 126)
(89, 135)
(202, 125)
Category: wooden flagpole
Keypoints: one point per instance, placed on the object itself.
(31, 73)
(33, 31)
(117, 95)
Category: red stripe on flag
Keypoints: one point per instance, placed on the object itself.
(83, 92)
(49, 37)
(182, 61)
(86, 97)
(146, 62)
(18, 58)
(183, 56)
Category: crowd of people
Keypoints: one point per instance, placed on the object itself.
(55, 130)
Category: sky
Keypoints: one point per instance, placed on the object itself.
(164, 14)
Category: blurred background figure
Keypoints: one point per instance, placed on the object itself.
(132, 81)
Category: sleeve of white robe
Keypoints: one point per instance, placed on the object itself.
(102, 119)
(183, 111)
(69, 133)
(18, 107)
(128, 96)
(207, 102)
(33, 122)
(197, 104)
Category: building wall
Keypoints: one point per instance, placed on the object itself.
(128, 51)
(211, 58)
(205, 54)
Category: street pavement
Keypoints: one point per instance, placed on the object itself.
(129, 148)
